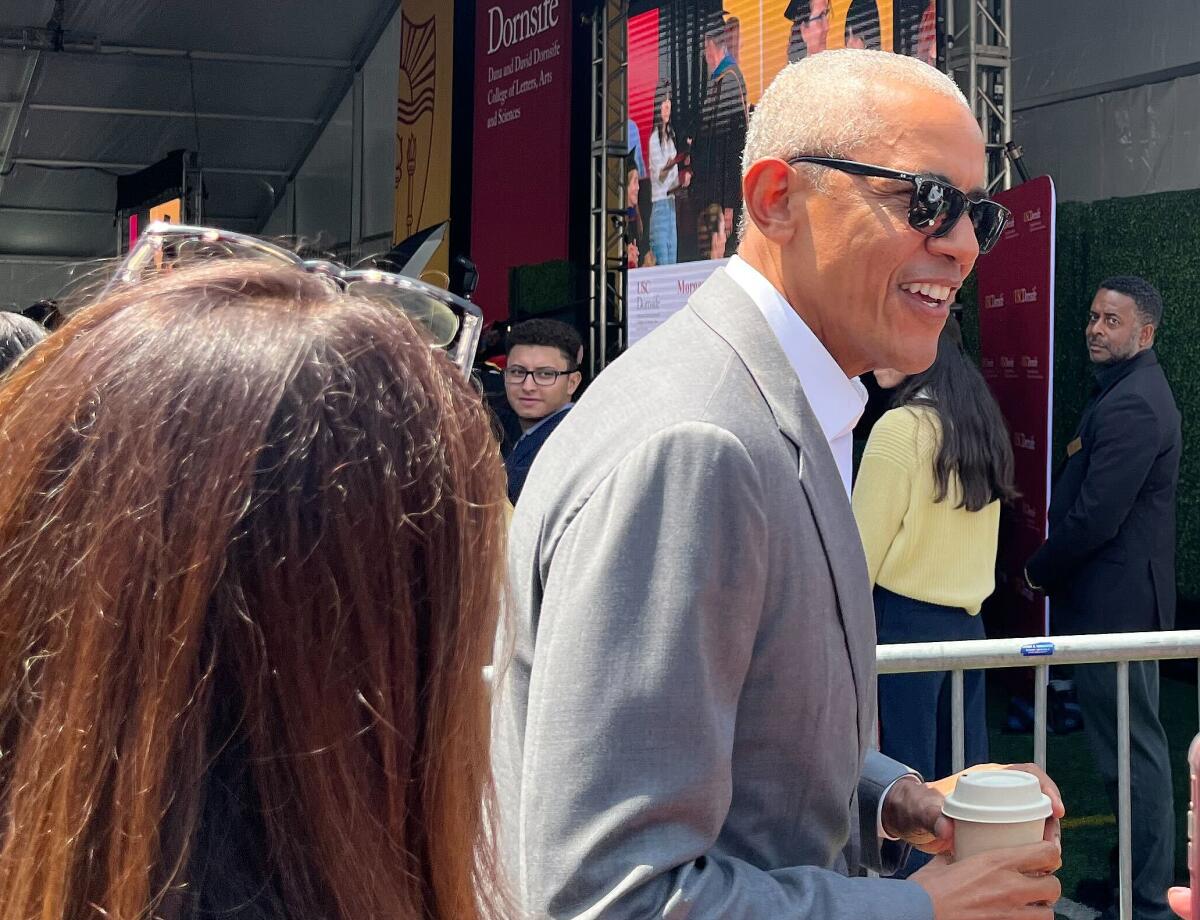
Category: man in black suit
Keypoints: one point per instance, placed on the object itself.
(1109, 562)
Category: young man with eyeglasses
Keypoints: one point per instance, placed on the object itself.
(685, 725)
(541, 376)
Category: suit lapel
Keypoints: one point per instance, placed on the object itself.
(726, 308)
(531, 442)
(520, 450)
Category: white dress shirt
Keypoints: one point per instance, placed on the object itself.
(661, 153)
(836, 400)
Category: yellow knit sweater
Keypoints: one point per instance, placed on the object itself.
(933, 552)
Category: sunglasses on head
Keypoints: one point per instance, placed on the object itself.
(449, 322)
(936, 205)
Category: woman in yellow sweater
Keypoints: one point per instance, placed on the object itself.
(927, 500)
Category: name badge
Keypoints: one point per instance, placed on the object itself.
(1074, 447)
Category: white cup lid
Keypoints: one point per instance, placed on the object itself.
(998, 797)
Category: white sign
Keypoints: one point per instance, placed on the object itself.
(656, 293)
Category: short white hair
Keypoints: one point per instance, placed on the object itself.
(830, 104)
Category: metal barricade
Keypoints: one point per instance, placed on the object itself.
(1040, 653)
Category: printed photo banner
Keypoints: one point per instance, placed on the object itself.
(693, 81)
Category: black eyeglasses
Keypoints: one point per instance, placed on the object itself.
(935, 205)
(543, 376)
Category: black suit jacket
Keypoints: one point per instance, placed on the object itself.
(521, 457)
(1109, 561)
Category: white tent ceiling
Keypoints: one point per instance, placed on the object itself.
(93, 88)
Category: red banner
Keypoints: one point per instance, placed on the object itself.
(521, 189)
(1016, 345)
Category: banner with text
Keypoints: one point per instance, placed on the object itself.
(521, 177)
(693, 80)
(656, 293)
(1016, 347)
(424, 99)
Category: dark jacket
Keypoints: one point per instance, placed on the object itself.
(505, 424)
(521, 458)
(1109, 562)
(719, 144)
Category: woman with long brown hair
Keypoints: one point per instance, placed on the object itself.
(251, 537)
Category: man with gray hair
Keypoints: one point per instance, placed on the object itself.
(684, 722)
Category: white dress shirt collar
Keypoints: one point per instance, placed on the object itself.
(540, 422)
(836, 400)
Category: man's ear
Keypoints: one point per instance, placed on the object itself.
(767, 189)
(1146, 335)
(573, 381)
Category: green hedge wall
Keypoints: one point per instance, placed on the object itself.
(543, 290)
(1157, 237)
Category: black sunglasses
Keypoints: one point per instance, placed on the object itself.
(935, 205)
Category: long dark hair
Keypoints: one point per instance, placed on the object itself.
(251, 536)
(662, 93)
(975, 445)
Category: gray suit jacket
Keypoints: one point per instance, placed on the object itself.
(681, 726)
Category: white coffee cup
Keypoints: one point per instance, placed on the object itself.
(993, 809)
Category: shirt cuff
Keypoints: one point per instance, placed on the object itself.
(884, 835)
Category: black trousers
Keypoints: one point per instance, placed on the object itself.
(1152, 813)
(915, 709)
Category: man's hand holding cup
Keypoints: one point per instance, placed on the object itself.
(987, 883)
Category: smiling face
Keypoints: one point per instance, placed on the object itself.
(876, 291)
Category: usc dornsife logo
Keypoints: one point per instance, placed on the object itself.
(1031, 216)
(1023, 441)
(993, 301)
(1025, 295)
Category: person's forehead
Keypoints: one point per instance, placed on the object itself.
(926, 132)
(537, 356)
(1107, 301)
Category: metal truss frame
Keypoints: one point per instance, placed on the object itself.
(979, 57)
(607, 216)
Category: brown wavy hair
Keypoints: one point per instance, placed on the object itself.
(251, 541)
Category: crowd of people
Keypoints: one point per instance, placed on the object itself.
(298, 625)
